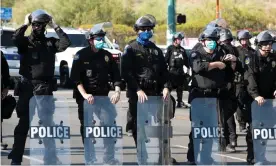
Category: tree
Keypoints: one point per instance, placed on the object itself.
(7, 3)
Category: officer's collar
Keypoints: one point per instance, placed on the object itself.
(35, 38)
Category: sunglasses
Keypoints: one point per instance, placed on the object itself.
(145, 28)
(36, 24)
(99, 38)
(266, 43)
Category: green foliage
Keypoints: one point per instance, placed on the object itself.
(7, 3)
(250, 14)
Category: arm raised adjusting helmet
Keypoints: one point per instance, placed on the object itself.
(225, 34)
(40, 16)
(244, 34)
(264, 36)
(145, 21)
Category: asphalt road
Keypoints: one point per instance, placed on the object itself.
(179, 142)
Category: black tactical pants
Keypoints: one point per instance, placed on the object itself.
(231, 133)
(241, 95)
(132, 120)
(178, 82)
(249, 141)
(27, 89)
(79, 101)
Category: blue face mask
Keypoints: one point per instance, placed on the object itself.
(99, 44)
(211, 45)
(144, 37)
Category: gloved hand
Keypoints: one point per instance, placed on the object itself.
(166, 94)
(260, 100)
(89, 98)
(27, 21)
(116, 97)
(4, 93)
(52, 24)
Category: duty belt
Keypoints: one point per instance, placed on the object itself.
(24, 79)
(211, 91)
(148, 84)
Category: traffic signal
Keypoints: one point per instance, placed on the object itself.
(181, 19)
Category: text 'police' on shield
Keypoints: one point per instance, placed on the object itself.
(103, 132)
(264, 133)
(60, 132)
(207, 132)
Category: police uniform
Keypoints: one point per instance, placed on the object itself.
(37, 64)
(261, 82)
(230, 130)
(247, 56)
(176, 58)
(5, 81)
(93, 70)
(209, 84)
(5, 74)
(143, 68)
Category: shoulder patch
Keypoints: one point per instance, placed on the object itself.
(76, 57)
(126, 48)
(156, 52)
(273, 64)
(193, 55)
(106, 58)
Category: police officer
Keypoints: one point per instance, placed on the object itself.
(226, 38)
(245, 52)
(209, 78)
(37, 65)
(261, 80)
(92, 67)
(5, 82)
(176, 58)
(144, 68)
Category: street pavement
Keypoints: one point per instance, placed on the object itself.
(179, 143)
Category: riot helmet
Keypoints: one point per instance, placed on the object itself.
(263, 37)
(225, 34)
(244, 34)
(210, 33)
(147, 21)
(40, 16)
(96, 31)
(178, 35)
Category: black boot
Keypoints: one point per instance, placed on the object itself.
(15, 163)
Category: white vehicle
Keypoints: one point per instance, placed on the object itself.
(10, 51)
(64, 60)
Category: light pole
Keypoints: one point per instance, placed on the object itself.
(171, 21)
(217, 10)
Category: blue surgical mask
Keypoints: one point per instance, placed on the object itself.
(99, 44)
(146, 35)
(143, 37)
(211, 44)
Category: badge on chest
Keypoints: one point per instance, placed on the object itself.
(106, 58)
(35, 55)
(273, 64)
(88, 73)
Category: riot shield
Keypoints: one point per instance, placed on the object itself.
(49, 131)
(264, 132)
(103, 132)
(206, 131)
(154, 131)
